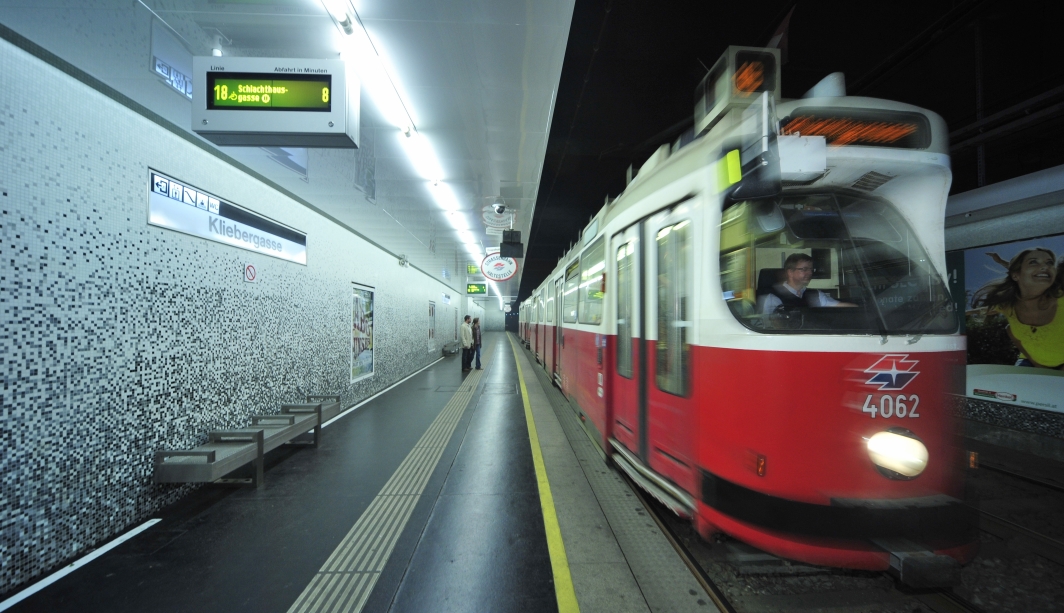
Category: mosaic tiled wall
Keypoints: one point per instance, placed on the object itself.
(118, 338)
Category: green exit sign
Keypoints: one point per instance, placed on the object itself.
(476, 288)
(472, 269)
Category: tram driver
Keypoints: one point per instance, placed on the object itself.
(794, 291)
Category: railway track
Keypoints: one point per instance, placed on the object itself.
(880, 593)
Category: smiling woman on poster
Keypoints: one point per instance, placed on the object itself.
(1031, 297)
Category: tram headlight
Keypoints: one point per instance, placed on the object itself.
(897, 453)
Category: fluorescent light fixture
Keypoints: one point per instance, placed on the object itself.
(458, 220)
(444, 196)
(338, 10)
(420, 152)
(360, 54)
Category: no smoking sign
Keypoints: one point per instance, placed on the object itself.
(251, 275)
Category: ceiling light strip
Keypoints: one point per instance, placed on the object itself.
(361, 52)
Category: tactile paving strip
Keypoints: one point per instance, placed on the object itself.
(346, 580)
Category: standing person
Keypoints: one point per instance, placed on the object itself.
(467, 344)
(477, 340)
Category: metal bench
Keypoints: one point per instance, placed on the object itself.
(228, 450)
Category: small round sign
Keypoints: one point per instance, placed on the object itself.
(498, 268)
(506, 308)
(250, 274)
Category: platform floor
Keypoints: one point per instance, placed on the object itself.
(424, 499)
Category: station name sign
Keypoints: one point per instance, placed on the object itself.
(476, 288)
(175, 205)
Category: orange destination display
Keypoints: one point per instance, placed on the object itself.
(860, 127)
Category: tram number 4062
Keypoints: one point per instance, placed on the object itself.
(892, 406)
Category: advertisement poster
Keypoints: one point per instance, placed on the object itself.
(361, 334)
(1014, 320)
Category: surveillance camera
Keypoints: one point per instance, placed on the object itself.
(500, 209)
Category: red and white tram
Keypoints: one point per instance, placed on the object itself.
(818, 433)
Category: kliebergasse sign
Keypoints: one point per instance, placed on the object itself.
(498, 268)
(174, 205)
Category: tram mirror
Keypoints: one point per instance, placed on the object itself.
(769, 217)
(759, 156)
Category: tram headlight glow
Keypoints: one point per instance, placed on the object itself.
(898, 453)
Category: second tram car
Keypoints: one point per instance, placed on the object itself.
(816, 424)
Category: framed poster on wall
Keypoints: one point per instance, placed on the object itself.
(1012, 297)
(361, 332)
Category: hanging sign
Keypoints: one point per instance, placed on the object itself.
(498, 268)
(174, 205)
(275, 102)
(476, 288)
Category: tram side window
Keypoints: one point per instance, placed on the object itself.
(572, 281)
(592, 271)
(624, 310)
(674, 281)
(550, 301)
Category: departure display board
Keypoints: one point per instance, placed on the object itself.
(250, 91)
(472, 269)
(476, 288)
(860, 127)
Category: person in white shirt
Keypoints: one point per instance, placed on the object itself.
(794, 292)
(467, 344)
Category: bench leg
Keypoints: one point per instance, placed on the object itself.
(317, 428)
(258, 480)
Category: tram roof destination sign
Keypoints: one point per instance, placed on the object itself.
(177, 206)
(860, 127)
(274, 102)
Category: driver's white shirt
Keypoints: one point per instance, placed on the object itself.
(770, 302)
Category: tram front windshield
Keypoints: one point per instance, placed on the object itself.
(867, 269)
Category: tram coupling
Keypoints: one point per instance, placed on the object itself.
(917, 567)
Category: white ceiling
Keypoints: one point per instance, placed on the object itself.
(478, 77)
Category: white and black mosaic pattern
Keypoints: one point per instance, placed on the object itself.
(118, 338)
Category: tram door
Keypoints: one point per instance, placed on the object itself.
(628, 390)
(668, 250)
(557, 367)
(536, 327)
